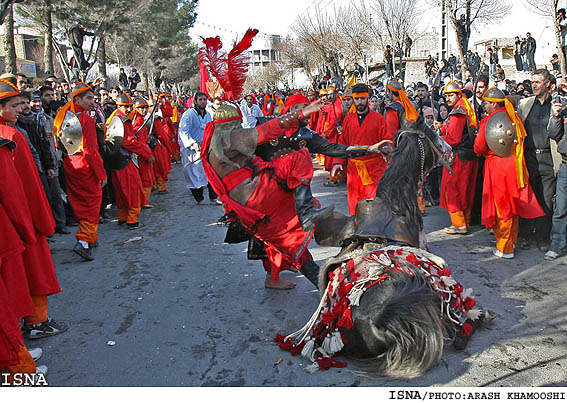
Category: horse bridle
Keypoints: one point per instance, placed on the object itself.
(440, 158)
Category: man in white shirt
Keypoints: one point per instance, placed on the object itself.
(250, 111)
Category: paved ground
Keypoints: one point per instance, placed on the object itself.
(185, 309)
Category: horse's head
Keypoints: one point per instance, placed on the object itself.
(433, 150)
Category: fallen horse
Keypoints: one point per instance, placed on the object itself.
(386, 302)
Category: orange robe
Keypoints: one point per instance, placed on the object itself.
(371, 167)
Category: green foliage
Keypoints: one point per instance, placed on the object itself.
(151, 35)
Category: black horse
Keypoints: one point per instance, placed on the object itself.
(385, 301)
(393, 216)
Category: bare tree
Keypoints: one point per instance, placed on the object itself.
(267, 78)
(317, 33)
(296, 56)
(476, 12)
(548, 9)
(397, 19)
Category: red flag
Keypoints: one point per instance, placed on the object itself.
(204, 79)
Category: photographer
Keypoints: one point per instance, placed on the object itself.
(558, 244)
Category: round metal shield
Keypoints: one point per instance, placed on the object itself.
(500, 134)
(71, 135)
(115, 134)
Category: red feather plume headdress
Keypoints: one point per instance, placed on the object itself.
(229, 69)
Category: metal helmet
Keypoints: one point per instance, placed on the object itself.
(71, 134)
(226, 111)
(124, 100)
(500, 134)
(495, 94)
(140, 102)
(452, 87)
(395, 85)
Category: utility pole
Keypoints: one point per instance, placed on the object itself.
(444, 31)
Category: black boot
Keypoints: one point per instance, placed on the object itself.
(307, 214)
(83, 252)
(310, 269)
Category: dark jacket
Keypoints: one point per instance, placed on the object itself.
(530, 45)
(38, 138)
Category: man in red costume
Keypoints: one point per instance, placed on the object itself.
(314, 118)
(17, 226)
(401, 113)
(265, 195)
(84, 170)
(457, 190)
(146, 167)
(38, 262)
(363, 127)
(167, 110)
(162, 166)
(331, 129)
(127, 183)
(507, 194)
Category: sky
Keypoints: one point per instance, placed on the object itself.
(230, 19)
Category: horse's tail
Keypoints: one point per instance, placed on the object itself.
(403, 331)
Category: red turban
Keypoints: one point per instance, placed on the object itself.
(294, 100)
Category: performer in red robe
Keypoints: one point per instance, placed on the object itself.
(331, 129)
(263, 195)
(364, 127)
(401, 113)
(162, 167)
(16, 224)
(167, 110)
(84, 171)
(127, 182)
(507, 193)
(146, 167)
(38, 262)
(314, 118)
(457, 190)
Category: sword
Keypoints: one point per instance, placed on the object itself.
(147, 119)
(191, 162)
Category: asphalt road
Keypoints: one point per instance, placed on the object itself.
(184, 309)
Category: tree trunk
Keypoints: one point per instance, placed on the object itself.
(145, 81)
(48, 39)
(560, 51)
(10, 48)
(101, 58)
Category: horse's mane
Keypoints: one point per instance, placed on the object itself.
(409, 323)
(398, 186)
